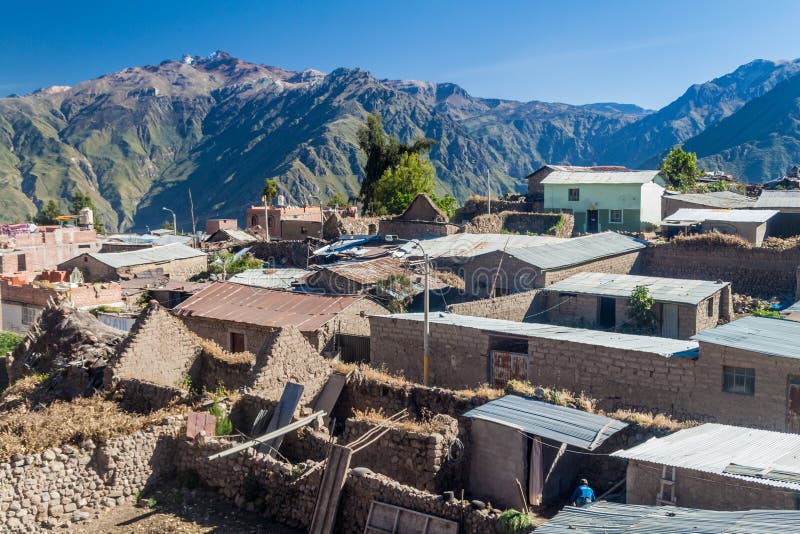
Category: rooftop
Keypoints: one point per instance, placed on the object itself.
(145, 256)
(614, 518)
(471, 245)
(726, 450)
(236, 235)
(621, 285)
(239, 303)
(589, 175)
(725, 215)
(717, 199)
(656, 345)
(271, 278)
(775, 337)
(559, 423)
(578, 250)
(778, 199)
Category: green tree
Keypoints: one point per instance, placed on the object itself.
(399, 185)
(80, 201)
(641, 309)
(48, 213)
(383, 152)
(168, 225)
(396, 292)
(338, 199)
(447, 203)
(680, 168)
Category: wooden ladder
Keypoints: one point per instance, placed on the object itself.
(666, 482)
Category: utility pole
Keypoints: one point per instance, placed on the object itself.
(488, 193)
(426, 341)
(194, 226)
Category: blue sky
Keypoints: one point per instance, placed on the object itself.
(641, 52)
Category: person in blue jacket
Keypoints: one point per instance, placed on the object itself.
(583, 494)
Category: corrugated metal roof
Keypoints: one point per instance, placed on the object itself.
(711, 448)
(717, 199)
(471, 245)
(264, 307)
(577, 250)
(655, 345)
(794, 308)
(621, 285)
(271, 278)
(565, 425)
(775, 337)
(160, 254)
(599, 177)
(615, 518)
(367, 272)
(778, 199)
(238, 235)
(725, 215)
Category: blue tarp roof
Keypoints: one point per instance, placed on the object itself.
(559, 423)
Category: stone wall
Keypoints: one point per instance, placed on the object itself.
(417, 458)
(514, 307)
(554, 224)
(283, 253)
(752, 271)
(474, 207)
(67, 484)
(416, 229)
(707, 491)
(336, 226)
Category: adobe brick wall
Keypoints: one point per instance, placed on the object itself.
(707, 491)
(416, 229)
(283, 253)
(628, 263)
(514, 307)
(538, 223)
(755, 271)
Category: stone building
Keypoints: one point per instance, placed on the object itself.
(751, 225)
(240, 318)
(348, 278)
(787, 203)
(672, 201)
(176, 261)
(501, 272)
(602, 198)
(599, 300)
(422, 219)
(518, 439)
(715, 467)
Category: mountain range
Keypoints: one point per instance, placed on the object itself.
(139, 139)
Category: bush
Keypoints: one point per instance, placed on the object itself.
(9, 341)
(233, 266)
(515, 521)
(224, 425)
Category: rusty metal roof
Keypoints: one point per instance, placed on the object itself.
(374, 270)
(260, 306)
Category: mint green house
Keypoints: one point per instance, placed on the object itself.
(603, 198)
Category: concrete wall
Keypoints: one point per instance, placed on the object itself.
(753, 271)
(514, 307)
(605, 197)
(499, 456)
(16, 317)
(707, 491)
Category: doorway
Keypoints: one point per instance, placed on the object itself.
(669, 321)
(607, 313)
(591, 221)
(793, 405)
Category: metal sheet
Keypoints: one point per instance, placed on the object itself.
(565, 425)
(161, 254)
(264, 307)
(711, 448)
(271, 278)
(471, 245)
(656, 345)
(577, 250)
(722, 215)
(764, 335)
(778, 199)
(592, 176)
(718, 199)
(621, 285)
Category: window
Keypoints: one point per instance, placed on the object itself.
(739, 380)
(237, 342)
(574, 195)
(21, 262)
(615, 216)
(29, 315)
(710, 307)
(254, 221)
(302, 229)
(85, 246)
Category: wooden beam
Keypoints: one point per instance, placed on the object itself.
(266, 437)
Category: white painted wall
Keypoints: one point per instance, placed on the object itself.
(651, 203)
(12, 313)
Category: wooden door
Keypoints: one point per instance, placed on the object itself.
(793, 405)
(508, 366)
(237, 342)
(669, 320)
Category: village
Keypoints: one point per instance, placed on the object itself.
(602, 352)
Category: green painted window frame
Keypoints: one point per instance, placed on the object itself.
(621, 217)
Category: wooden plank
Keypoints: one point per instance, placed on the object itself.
(284, 412)
(330, 394)
(330, 489)
(536, 473)
(385, 517)
(261, 439)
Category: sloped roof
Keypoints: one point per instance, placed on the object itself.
(564, 425)
(425, 203)
(778, 199)
(271, 278)
(621, 285)
(592, 176)
(660, 346)
(236, 235)
(471, 245)
(713, 448)
(239, 303)
(577, 250)
(162, 254)
(715, 199)
(775, 337)
(724, 215)
(615, 518)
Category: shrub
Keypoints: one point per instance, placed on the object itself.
(641, 308)
(224, 424)
(515, 521)
(9, 341)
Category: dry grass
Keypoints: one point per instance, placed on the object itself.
(363, 372)
(449, 278)
(711, 239)
(776, 243)
(651, 420)
(484, 391)
(212, 349)
(24, 431)
(426, 425)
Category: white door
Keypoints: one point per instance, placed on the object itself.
(669, 320)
